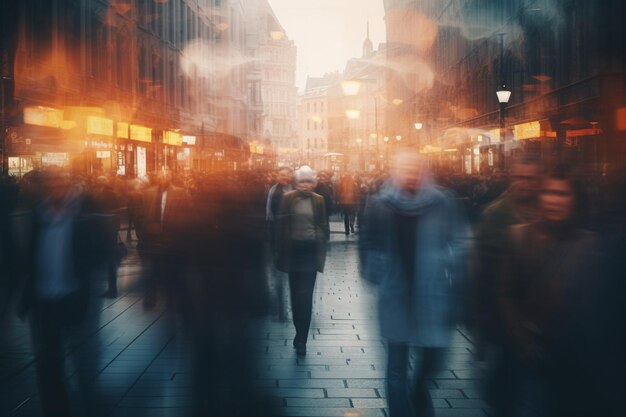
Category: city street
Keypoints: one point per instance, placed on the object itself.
(141, 368)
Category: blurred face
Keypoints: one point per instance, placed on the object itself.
(557, 200)
(284, 177)
(165, 178)
(306, 185)
(525, 181)
(408, 171)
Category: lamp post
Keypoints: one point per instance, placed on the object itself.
(386, 140)
(504, 94)
(418, 126)
(359, 142)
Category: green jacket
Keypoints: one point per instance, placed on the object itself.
(283, 224)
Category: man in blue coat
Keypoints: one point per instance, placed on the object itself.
(413, 245)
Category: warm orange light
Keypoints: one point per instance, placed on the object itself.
(122, 130)
(277, 35)
(397, 101)
(353, 114)
(97, 125)
(527, 131)
(172, 138)
(316, 119)
(140, 133)
(43, 116)
(351, 87)
(221, 26)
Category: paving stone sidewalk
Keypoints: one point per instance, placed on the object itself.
(140, 366)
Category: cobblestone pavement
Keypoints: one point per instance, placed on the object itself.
(141, 370)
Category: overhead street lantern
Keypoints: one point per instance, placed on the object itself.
(351, 87)
(503, 93)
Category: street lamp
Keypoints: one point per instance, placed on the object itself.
(504, 94)
(351, 87)
(398, 138)
(353, 114)
(418, 126)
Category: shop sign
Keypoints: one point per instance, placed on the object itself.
(122, 130)
(530, 130)
(97, 125)
(43, 116)
(583, 132)
(103, 154)
(141, 162)
(189, 140)
(54, 158)
(140, 133)
(172, 138)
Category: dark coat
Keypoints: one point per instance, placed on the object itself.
(283, 247)
(89, 251)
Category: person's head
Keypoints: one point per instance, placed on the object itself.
(56, 183)
(525, 177)
(305, 178)
(561, 197)
(284, 176)
(164, 177)
(408, 168)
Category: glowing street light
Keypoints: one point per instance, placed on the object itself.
(418, 126)
(277, 35)
(504, 94)
(398, 138)
(397, 101)
(351, 87)
(353, 114)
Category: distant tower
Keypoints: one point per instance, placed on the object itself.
(368, 47)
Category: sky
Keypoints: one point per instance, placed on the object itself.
(328, 32)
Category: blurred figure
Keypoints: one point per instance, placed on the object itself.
(163, 223)
(226, 296)
(325, 188)
(515, 206)
(349, 200)
(68, 243)
(108, 202)
(550, 276)
(8, 198)
(412, 244)
(284, 180)
(301, 235)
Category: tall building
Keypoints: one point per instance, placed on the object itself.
(125, 87)
(341, 116)
(271, 82)
(562, 61)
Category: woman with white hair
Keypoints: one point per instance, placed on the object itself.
(301, 234)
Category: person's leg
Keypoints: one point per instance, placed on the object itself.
(397, 387)
(346, 219)
(46, 330)
(427, 363)
(112, 275)
(301, 285)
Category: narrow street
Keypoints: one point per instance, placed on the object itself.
(142, 370)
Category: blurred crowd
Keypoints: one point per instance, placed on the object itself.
(529, 261)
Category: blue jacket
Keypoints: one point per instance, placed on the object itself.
(420, 311)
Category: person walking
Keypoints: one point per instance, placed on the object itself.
(349, 200)
(67, 244)
(301, 234)
(412, 245)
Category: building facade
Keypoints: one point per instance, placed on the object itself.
(125, 87)
(562, 60)
(271, 83)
